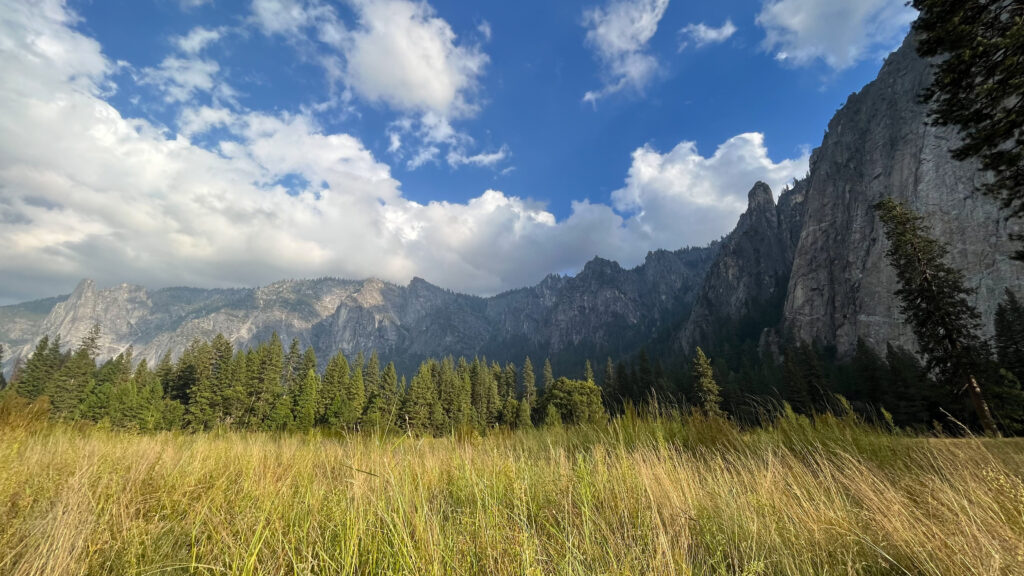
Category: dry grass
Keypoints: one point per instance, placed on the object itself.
(643, 496)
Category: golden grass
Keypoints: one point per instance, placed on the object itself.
(641, 496)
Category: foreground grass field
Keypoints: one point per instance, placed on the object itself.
(641, 496)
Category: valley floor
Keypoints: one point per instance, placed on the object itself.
(641, 496)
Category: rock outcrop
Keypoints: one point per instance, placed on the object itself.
(881, 144)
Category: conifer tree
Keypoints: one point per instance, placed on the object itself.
(977, 86)
(588, 372)
(418, 410)
(934, 299)
(510, 412)
(290, 375)
(38, 371)
(1009, 339)
(334, 402)
(3, 381)
(704, 385)
(529, 385)
(547, 375)
(524, 418)
(356, 394)
(609, 390)
(73, 382)
(305, 402)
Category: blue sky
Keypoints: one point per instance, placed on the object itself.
(479, 145)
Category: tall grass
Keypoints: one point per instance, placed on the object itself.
(652, 495)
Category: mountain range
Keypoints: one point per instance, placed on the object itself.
(808, 264)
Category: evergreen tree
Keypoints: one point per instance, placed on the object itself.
(523, 415)
(305, 402)
(1009, 340)
(39, 370)
(529, 394)
(547, 375)
(934, 299)
(609, 389)
(510, 412)
(280, 417)
(334, 402)
(705, 386)
(977, 86)
(588, 372)
(355, 394)
(72, 383)
(290, 375)
(3, 381)
(645, 376)
(869, 372)
(418, 410)
(371, 376)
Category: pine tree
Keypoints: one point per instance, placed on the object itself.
(3, 381)
(977, 86)
(510, 412)
(305, 402)
(72, 383)
(934, 299)
(609, 389)
(588, 372)
(38, 370)
(529, 385)
(1009, 339)
(418, 410)
(356, 394)
(524, 418)
(869, 372)
(290, 375)
(547, 375)
(704, 385)
(334, 402)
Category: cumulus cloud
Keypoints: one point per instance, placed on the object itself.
(701, 34)
(682, 194)
(88, 192)
(837, 33)
(619, 33)
(197, 39)
(398, 53)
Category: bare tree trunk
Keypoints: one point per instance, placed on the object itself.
(981, 407)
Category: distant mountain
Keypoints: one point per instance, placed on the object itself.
(811, 265)
(602, 310)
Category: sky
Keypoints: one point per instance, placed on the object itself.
(478, 145)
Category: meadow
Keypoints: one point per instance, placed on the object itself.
(668, 494)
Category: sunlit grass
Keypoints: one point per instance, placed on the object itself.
(640, 496)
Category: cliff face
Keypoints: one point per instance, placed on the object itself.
(603, 310)
(746, 284)
(880, 144)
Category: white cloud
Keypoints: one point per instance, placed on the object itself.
(398, 53)
(87, 192)
(682, 197)
(701, 34)
(484, 28)
(181, 79)
(286, 17)
(404, 55)
(197, 39)
(619, 34)
(838, 33)
(456, 158)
